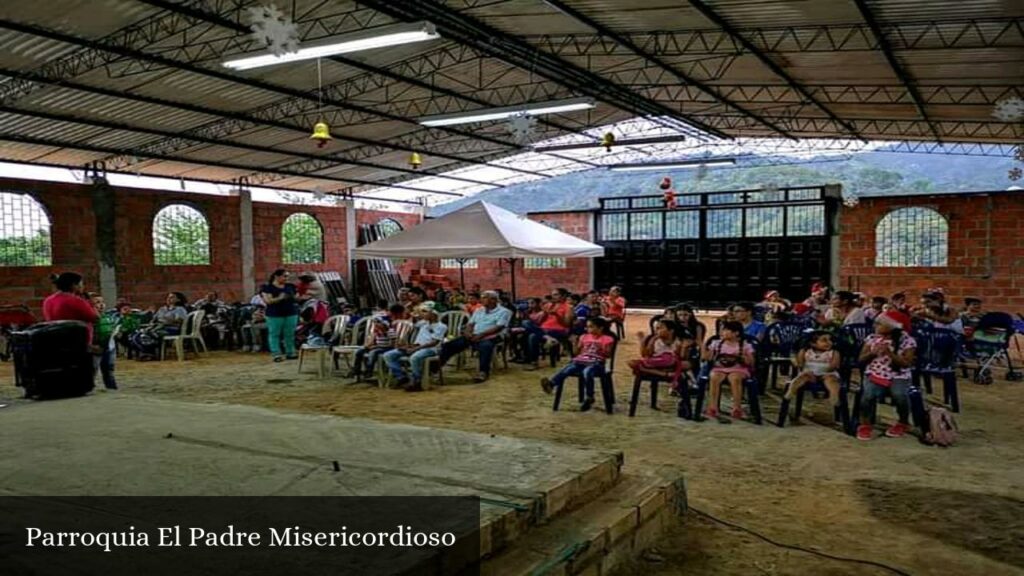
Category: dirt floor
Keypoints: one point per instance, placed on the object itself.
(918, 509)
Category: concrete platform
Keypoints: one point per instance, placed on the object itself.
(112, 444)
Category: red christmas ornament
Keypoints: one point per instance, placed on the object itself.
(669, 197)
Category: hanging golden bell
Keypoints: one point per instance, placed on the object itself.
(321, 133)
(415, 161)
(608, 140)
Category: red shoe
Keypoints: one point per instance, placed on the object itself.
(865, 432)
(897, 430)
(711, 413)
(737, 414)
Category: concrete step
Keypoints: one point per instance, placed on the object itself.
(600, 536)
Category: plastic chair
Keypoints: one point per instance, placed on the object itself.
(937, 353)
(780, 343)
(405, 331)
(455, 320)
(840, 415)
(655, 382)
(750, 388)
(191, 331)
(353, 339)
(333, 329)
(849, 341)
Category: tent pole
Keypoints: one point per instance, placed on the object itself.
(512, 265)
(462, 273)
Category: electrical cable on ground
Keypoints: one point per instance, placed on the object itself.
(760, 536)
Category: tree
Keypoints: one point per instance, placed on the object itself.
(302, 240)
(26, 250)
(181, 237)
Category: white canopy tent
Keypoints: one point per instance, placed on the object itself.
(481, 230)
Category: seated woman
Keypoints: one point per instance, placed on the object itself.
(816, 362)
(732, 360)
(889, 354)
(971, 316)
(687, 319)
(590, 352)
(558, 319)
(936, 312)
(661, 352)
(613, 306)
(168, 320)
(773, 304)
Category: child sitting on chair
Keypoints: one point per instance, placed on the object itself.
(591, 350)
(660, 352)
(817, 361)
(732, 360)
(889, 354)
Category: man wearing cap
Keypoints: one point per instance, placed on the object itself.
(819, 299)
(483, 332)
(429, 336)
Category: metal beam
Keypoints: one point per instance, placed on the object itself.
(713, 16)
(130, 52)
(603, 30)
(471, 32)
(897, 68)
(245, 120)
(52, 142)
(325, 162)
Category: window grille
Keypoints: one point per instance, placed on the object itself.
(302, 240)
(181, 237)
(468, 263)
(615, 226)
(805, 220)
(762, 222)
(682, 225)
(388, 227)
(914, 236)
(24, 231)
(725, 223)
(543, 263)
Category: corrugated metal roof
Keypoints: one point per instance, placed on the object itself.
(740, 76)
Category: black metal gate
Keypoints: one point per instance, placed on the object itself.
(716, 247)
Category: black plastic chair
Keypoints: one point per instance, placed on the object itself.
(780, 343)
(849, 341)
(938, 350)
(655, 381)
(750, 386)
(840, 415)
(607, 383)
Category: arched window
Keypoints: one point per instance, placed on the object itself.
(388, 227)
(24, 231)
(302, 240)
(181, 237)
(914, 236)
(542, 263)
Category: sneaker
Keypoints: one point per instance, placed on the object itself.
(587, 403)
(897, 430)
(546, 385)
(549, 343)
(865, 432)
(278, 358)
(737, 414)
(292, 357)
(480, 378)
(711, 413)
(413, 387)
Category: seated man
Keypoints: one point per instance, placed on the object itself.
(380, 338)
(429, 337)
(483, 331)
(971, 316)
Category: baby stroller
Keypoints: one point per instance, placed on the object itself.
(12, 318)
(990, 344)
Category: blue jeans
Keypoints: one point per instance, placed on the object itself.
(282, 328)
(484, 349)
(105, 364)
(872, 392)
(417, 359)
(535, 337)
(370, 356)
(588, 371)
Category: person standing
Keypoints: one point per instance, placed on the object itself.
(69, 302)
(282, 314)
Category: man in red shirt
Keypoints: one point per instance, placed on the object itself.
(68, 302)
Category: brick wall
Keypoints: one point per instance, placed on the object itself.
(492, 273)
(73, 239)
(999, 280)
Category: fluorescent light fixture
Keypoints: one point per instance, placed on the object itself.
(675, 138)
(354, 42)
(535, 109)
(672, 165)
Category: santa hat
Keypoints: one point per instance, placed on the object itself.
(770, 293)
(895, 319)
(818, 287)
(801, 308)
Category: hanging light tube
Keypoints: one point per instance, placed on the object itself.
(672, 139)
(487, 114)
(672, 165)
(354, 42)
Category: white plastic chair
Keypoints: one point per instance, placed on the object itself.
(191, 331)
(332, 330)
(354, 339)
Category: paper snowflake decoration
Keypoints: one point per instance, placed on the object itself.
(521, 127)
(1009, 110)
(1016, 173)
(1018, 153)
(702, 172)
(850, 200)
(271, 28)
